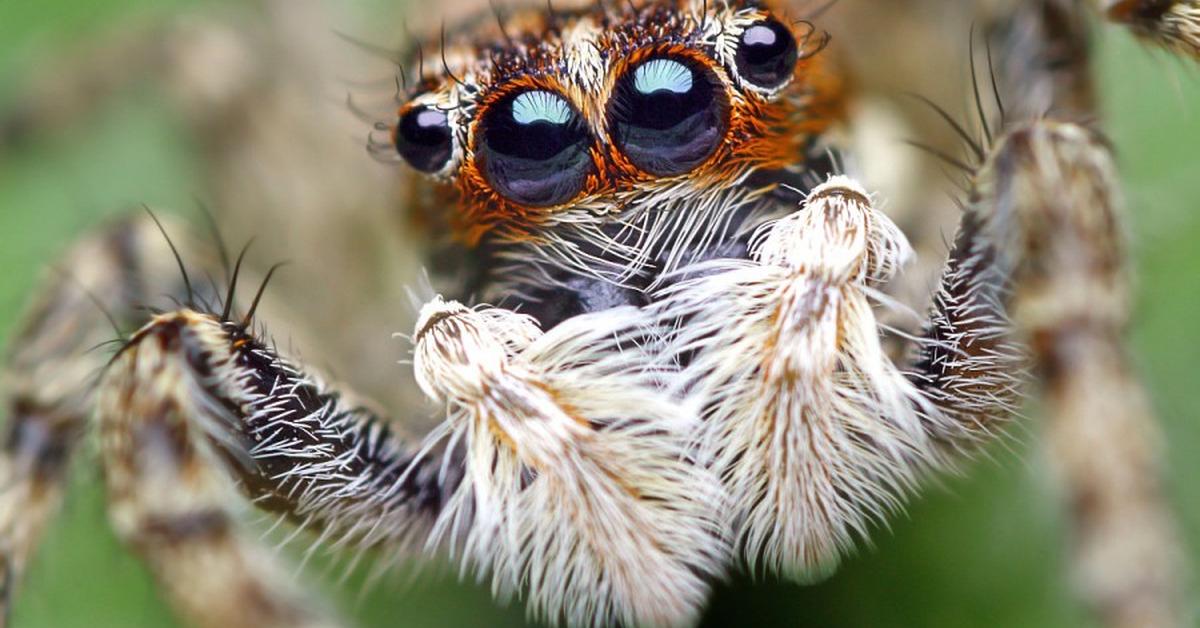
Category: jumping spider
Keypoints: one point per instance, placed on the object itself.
(681, 370)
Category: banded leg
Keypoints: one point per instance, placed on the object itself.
(52, 368)
(193, 402)
(176, 443)
(1046, 209)
(1040, 253)
(576, 489)
(596, 511)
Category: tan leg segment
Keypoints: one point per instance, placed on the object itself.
(1040, 254)
(51, 371)
(170, 501)
(1058, 185)
(192, 409)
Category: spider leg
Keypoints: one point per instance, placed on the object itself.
(562, 469)
(1039, 259)
(815, 433)
(1172, 24)
(51, 370)
(193, 402)
(193, 408)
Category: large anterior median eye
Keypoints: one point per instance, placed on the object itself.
(668, 115)
(766, 54)
(533, 148)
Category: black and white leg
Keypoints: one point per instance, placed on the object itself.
(193, 407)
(562, 470)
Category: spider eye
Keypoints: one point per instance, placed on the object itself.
(766, 54)
(423, 138)
(533, 148)
(668, 115)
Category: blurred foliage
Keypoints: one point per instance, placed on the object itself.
(981, 548)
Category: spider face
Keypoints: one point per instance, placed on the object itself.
(541, 119)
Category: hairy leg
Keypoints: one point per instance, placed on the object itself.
(52, 368)
(1040, 254)
(183, 424)
(594, 510)
(195, 407)
(1052, 190)
(562, 470)
(815, 434)
(580, 491)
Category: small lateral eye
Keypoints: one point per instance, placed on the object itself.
(766, 54)
(533, 148)
(423, 138)
(668, 115)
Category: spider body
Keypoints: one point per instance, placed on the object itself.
(664, 358)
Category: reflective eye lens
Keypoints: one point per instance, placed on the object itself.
(766, 54)
(668, 115)
(423, 138)
(533, 149)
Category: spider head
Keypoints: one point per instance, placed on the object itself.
(546, 118)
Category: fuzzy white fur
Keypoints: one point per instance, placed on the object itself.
(578, 488)
(811, 428)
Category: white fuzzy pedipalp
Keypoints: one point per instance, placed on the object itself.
(578, 487)
(812, 429)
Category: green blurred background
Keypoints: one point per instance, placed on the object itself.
(981, 549)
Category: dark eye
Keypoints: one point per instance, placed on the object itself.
(533, 148)
(668, 115)
(766, 54)
(423, 138)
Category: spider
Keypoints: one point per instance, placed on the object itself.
(662, 355)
